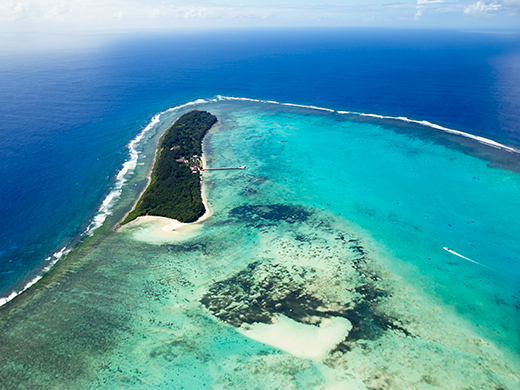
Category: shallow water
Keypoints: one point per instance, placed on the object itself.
(335, 232)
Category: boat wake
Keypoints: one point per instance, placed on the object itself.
(474, 262)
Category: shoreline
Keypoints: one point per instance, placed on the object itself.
(170, 226)
(149, 180)
(196, 121)
(208, 213)
(173, 191)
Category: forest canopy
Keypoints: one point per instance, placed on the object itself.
(174, 190)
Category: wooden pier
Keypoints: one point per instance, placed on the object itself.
(223, 168)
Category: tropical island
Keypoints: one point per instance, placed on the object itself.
(174, 189)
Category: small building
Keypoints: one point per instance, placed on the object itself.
(194, 169)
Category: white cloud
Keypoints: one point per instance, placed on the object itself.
(137, 14)
(423, 2)
(195, 12)
(12, 10)
(119, 15)
(481, 8)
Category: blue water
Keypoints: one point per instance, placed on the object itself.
(67, 114)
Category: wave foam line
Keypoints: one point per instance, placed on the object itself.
(223, 98)
(106, 206)
(53, 259)
(128, 167)
(195, 102)
(482, 140)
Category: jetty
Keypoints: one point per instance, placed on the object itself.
(223, 168)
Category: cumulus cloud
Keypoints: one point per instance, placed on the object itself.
(481, 8)
(12, 10)
(195, 12)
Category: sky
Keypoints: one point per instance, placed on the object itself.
(58, 15)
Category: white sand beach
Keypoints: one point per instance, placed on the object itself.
(155, 229)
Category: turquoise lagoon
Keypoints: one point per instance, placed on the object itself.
(322, 266)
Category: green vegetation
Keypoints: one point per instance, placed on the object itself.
(174, 191)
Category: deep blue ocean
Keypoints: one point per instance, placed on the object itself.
(67, 114)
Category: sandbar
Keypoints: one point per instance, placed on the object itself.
(301, 340)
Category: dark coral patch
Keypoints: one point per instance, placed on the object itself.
(254, 214)
(188, 248)
(242, 299)
(249, 191)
